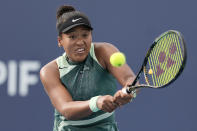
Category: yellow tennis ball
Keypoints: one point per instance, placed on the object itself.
(117, 59)
(150, 72)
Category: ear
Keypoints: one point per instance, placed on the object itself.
(59, 39)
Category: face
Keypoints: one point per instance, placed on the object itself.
(76, 43)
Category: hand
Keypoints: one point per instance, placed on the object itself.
(121, 98)
(106, 103)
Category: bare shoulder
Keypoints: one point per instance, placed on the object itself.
(103, 51)
(104, 46)
(49, 71)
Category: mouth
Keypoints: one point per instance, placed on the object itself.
(80, 50)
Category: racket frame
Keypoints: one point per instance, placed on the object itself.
(133, 86)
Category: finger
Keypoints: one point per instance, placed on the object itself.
(122, 98)
(109, 107)
(123, 101)
(109, 104)
(115, 104)
(118, 103)
(117, 95)
(126, 96)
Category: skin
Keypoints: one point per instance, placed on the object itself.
(77, 45)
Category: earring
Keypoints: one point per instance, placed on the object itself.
(59, 45)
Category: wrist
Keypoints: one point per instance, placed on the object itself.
(93, 104)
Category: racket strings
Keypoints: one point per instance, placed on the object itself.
(165, 60)
(146, 76)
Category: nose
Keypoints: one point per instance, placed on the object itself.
(80, 41)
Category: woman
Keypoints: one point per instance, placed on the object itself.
(81, 83)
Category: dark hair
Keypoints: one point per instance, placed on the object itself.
(64, 9)
(64, 13)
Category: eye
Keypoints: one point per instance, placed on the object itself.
(72, 37)
(85, 35)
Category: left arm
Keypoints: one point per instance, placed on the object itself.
(123, 74)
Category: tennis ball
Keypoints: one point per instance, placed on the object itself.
(150, 72)
(117, 59)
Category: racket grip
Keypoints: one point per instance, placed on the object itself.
(127, 90)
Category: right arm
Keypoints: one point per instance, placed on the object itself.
(61, 98)
(59, 95)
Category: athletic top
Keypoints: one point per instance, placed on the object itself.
(85, 80)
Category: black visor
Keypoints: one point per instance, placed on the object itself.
(73, 22)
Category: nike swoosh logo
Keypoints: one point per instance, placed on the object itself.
(74, 20)
(62, 67)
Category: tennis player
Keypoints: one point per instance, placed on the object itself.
(81, 83)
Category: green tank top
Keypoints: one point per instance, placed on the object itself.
(85, 80)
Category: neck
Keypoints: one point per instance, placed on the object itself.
(73, 62)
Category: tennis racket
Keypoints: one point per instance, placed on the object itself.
(164, 62)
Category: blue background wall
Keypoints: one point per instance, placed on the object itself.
(28, 41)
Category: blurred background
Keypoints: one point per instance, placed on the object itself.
(28, 40)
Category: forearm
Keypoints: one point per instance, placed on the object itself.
(125, 76)
(75, 110)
